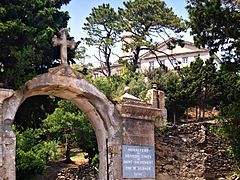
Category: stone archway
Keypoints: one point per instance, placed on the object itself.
(121, 129)
(67, 84)
(125, 132)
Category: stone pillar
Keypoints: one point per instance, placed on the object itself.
(114, 158)
(1, 133)
(162, 97)
(157, 99)
(138, 122)
(153, 98)
(7, 141)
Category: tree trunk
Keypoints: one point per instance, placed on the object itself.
(67, 152)
(107, 53)
(199, 114)
(187, 114)
(174, 118)
(108, 68)
(204, 103)
(196, 113)
(203, 116)
(135, 59)
(107, 59)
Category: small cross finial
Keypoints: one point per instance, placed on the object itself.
(64, 44)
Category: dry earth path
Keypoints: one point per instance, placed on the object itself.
(78, 170)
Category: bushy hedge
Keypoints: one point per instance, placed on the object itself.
(32, 153)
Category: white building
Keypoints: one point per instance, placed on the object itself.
(100, 71)
(179, 56)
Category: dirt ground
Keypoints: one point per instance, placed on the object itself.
(77, 170)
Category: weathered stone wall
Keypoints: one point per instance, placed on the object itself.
(7, 140)
(191, 151)
(138, 122)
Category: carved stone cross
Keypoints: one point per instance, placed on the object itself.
(64, 44)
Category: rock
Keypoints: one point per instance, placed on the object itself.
(191, 151)
(61, 177)
(168, 167)
(164, 176)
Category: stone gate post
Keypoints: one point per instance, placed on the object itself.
(138, 145)
(7, 141)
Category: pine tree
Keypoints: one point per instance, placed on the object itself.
(26, 29)
(147, 21)
(103, 32)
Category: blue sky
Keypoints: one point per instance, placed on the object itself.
(80, 9)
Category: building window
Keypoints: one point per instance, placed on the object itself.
(173, 61)
(162, 62)
(151, 65)
(96, 75)
(185, 60)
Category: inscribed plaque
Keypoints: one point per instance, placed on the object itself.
(138, 161)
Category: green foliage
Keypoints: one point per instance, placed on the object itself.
(204, 85)
(66, 125)
(177, 96)
(28, 164)
(164, 126)
(107, 85)
(95, 161)
(214, 23)
(80, 53)
(228, 84)
(138, 86)
(158, 77)
(103, 32)
(230, 111)
(86, 139)
(32, 153)
(70, 126)
(230, 131)
(116, 85)
(26, 29)
(196, 85)
(47, 150)
(33, 111)
(145, 20)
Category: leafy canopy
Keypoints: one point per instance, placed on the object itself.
(70, 126)
(32, 153)
(103, 32)
(215, 24)
(26, 29)
(147, 20)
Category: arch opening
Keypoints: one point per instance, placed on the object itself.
(64, 128)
